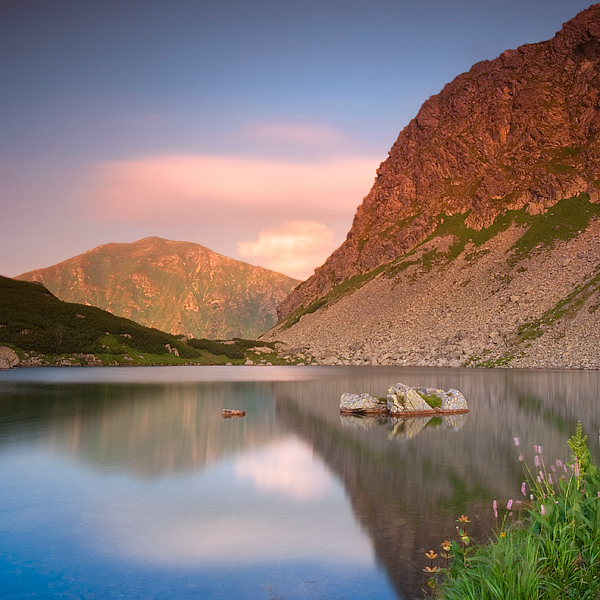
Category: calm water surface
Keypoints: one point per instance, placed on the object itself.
(128, 483)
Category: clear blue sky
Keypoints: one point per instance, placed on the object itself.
(253, 128)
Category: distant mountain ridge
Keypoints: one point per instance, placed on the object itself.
(179, 287)
(479, 242)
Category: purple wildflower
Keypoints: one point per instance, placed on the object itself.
(509, 504)
(543, 510)
(517, 441)
(495, 506)
(524, 489)
(549, 479)
(536, 460)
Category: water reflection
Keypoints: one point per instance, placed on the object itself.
(145, 472)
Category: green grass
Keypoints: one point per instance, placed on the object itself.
(552, 553)
(562, 222)
(35, 323)
(565, 308)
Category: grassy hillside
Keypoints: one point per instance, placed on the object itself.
(179, 287)
(36, 323)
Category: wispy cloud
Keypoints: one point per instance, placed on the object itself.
(162, 187)
(293, 248)
(304, 173)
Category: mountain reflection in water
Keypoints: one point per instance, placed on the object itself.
(165, 483)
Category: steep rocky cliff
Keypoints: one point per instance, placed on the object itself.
(179, 287)
(485, 211)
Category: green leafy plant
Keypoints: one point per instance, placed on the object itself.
(551, 553)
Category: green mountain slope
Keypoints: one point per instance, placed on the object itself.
(179, 287)
(46, 330)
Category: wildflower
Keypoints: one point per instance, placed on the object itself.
(531, 496)
(549, 479)
(517, 441)
(520, 457)
(559, 463)
(524, 489)
(575, 468)
(509, 504)
(431, 554)
(543, 510)
(535, 448)
(536, 460)
(495, 507)
(541, 476)
(502, 534)
(463, 519)
(446, 545)
(431, 569)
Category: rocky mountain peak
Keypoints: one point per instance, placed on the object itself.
(519, 132)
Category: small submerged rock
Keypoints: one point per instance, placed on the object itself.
(229, 412)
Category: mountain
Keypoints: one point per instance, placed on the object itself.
(179, 287)
(37, 329)
(477, 243)
(35, 321)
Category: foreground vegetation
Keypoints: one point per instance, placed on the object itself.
(42, 329)
(547, 547)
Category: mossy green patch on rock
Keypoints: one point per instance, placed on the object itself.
(433, 400)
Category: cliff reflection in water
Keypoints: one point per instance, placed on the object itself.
(410, 479)
(407, 480)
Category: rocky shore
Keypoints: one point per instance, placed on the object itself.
(477, 310)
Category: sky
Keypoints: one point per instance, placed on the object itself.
(253, 128)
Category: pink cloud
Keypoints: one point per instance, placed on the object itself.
(163, 188)
(293, 248)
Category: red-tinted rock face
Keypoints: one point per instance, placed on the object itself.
(177, 287)
(518, 132)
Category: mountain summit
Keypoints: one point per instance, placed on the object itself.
(504, 162)
(179, 287)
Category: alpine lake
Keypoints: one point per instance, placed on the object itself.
(127, 482)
